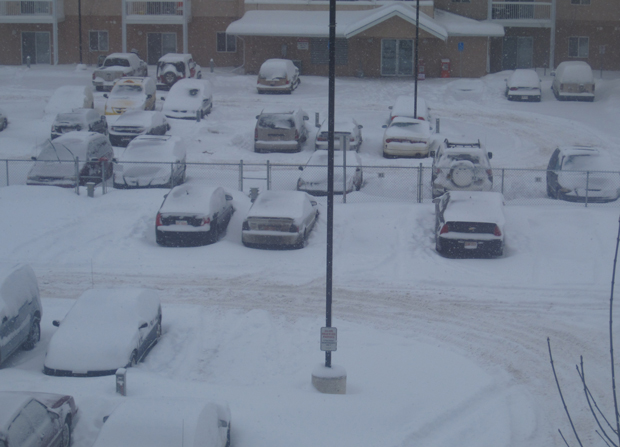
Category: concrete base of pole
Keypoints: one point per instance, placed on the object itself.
(330, 380)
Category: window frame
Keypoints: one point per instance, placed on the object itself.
(578, 40)
(580, 2)
(99, 48)
(461, 1)
(230, 42)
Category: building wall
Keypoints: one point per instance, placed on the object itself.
(598, 33)
(475, 9)
(202, 38)
(11, 38)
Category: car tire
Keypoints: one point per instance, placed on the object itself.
(438, 247)
(33, 336)
(228, 436)
(358, 186)
(65, 435)
(550, 192)
(215, 231)
(170, 79)
(4, 124)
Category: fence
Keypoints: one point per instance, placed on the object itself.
(380, 183)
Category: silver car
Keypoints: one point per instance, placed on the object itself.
(280, 130)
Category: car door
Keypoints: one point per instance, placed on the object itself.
(552, 168)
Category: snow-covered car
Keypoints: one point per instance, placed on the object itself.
(105, 329)
(469, 222)
(278, 75)
(173, 67)
(280, 219)
(406, 137)
(80, 120)
(116, 66)
(346, 126)
(313, 178)
(130, 94)
(280, 129)
(461, 166)
(189, 99)
(578, 173)
(69, 97)
(573, 81)
(523, 85)
(87, 155)
(151, 162)
(193, 214)
(20, 311)
(36, 419)
(137, 122)
(405, 106)
(157, 422)
(4, 122)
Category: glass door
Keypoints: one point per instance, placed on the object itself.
(396, 57)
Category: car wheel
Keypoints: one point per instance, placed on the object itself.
(215, 231)
(228, 436)
(66, 435)
(438, 247)
(550, 191)
(133, 361)
(33, 336)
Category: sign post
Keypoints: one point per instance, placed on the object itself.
(461, 50)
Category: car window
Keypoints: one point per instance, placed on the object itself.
(61, 152)
(402, 124)
(581, 163)
(115, 61)
(37, 414)
(276, 122)
(21, 432)
(126, 89)
(459, 157)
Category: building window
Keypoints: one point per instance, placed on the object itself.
(578, 47)
(226, 43)
(319, 52)
(98, 40)
(460, 1)
(579, 2)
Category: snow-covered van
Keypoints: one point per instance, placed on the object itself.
(20, 310)
(573, 81)
(116, 66)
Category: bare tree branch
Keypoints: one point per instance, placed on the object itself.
(562, 396)
(563, 438)
(596, 431)
(591, 397)
(611, 338)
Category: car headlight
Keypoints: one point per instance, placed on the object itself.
(300, 183)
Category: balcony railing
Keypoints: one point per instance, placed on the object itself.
(540, 11)
(141, 11)
(36, 11)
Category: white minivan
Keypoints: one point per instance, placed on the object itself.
(573, 81)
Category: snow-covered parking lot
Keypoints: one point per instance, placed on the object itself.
(438, 351)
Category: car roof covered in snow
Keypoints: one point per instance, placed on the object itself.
(475, 206)
(175, 57)
(145, 118)
(524, 78)
(189, 197)
(279, 204)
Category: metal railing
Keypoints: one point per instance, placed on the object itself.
(380, 183)
(26, 8)
(155, 8)
(521, 10)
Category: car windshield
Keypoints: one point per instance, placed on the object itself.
(276, 122)
(402, 124)
(582, 163)
(116, 62)
(126, 89)
(71, 118)
(62, 151)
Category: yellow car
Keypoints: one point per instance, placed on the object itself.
(130, 94)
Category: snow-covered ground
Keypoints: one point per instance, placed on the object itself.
(437, 351)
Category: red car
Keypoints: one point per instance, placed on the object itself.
(36, 419)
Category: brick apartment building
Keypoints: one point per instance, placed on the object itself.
(374, 37)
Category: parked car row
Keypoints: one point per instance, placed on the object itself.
(104, 330)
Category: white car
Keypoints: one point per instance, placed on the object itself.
(69, 97)
(130, 94)
(137, 122)
(278, 75)
(313, 178)
(406, 137)
(573, 81)
(116, 66)
(349, 127)
(193, 214)
(173, 67)
(80, 120)
(151, 162)
(523, 85)
(470, 222)
(189, 99)
(106, 329)
(165, 422)
(280, 219)
(405, 106)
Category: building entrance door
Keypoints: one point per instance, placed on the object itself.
(517, 52)
(37, 46)
(158, 45)
(396, 57)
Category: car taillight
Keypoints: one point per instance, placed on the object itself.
(352, 139)
(245, 226)
(497, 231)
(256, 134)
(94, 77)
(512, 89)
(391, 140)
(205, 221)
(421, 118)
(288, 82)
(158, 220)
(444, 229)
(294, 229)
(296, 134)
(321, 138)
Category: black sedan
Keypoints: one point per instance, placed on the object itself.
(85, 120)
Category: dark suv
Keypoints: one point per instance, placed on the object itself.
(20, 310)
(462, 167)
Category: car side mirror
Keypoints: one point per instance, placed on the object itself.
(56, 323)
(143, 326)
(33, 158)
(257, 116)
(390, 107)
(105, 95)
(301, 168)
(490, 154)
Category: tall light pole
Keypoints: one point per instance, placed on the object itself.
(80, 28)
(415, 69)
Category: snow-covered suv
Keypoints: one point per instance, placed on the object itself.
(461, 166)
(116, 66)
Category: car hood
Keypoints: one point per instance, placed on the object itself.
(54, 169)
(182, 103)
(127, 102)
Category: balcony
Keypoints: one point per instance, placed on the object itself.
(31, 11)
(157, 12)
(521, 13)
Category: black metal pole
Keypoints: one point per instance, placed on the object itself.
(415, 74)
(330, 170)
(80, 27)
